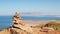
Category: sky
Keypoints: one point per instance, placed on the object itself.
(27, 7)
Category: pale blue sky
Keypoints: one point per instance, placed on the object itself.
(46, 7)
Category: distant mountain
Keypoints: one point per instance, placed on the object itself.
(37, 14)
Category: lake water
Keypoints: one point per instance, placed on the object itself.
(6, 21)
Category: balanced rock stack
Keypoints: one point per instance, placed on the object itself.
(17, 19)
(18, 26)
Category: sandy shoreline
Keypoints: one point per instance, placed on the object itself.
(33, 23)
(38, 22)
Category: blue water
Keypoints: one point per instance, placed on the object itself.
(6, 21)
